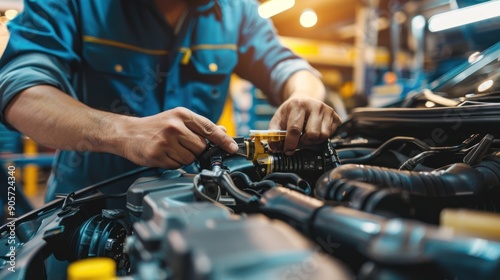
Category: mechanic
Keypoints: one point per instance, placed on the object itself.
(119, 84)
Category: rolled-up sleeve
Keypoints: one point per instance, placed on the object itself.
(42, 49)
(263, 60)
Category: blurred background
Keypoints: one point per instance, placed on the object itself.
(369, 52)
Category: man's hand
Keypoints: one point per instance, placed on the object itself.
(169, 139)
(172, 138)
(306, 120)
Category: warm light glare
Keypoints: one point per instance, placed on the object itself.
(475, 57)
(430, 104)
(400, 17)
(308, 18)
(274, 7)
(348, 31)
(464, 16)
(10, 14)
(484, 86)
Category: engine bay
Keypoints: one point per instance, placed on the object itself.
(411, 191)
(356, 206)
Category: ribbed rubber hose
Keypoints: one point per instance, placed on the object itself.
(457, 179)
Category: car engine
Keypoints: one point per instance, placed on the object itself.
(410, 191)
(357, 206)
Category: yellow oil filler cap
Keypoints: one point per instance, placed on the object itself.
(477, 223)
(92, 269)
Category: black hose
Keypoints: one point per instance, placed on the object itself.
(290, 180)
(458, 179)
(227, 183)
(248, 184)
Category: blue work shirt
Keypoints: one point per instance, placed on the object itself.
(122, 56)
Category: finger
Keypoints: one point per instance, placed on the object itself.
(294, 127)
(331, 125)
(205, 128)
(278, 121)
(160, 157)
(181, 155)
(193, 142)
(312, 132)
(328, 127)
(335, 122)
(169, 163)
(276, 146)
(223, 128)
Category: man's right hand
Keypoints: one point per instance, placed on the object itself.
(171, 139)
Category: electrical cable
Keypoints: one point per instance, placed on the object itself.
(419, 143)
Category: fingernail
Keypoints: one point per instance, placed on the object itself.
(233, 147)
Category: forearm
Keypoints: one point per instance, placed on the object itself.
(54, 119)
(303, 84)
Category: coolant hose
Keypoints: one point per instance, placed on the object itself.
(457, 179)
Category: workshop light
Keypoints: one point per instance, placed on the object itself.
(418, 22)
(484, 86)
(475, 57)
(308, 18)
(10, 14)
(464, 16)
(274, 7)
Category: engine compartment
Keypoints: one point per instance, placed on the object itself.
(352, 207)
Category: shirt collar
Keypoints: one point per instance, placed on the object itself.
(206, 6)
(203, 6)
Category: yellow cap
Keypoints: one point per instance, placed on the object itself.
(477, 223)
(270, 135)
(92, 269)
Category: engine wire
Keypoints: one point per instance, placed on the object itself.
(419, 143)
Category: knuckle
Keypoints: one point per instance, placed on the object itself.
(199, 149)
(325, 135)
(171, 127)
(295, 129)
(313, 135)
(152, 156)
(149, 152)
(181, 111)
(168, 126)
(189, 158)
(208, 127)
(297, 102)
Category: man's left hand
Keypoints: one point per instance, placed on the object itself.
(306, 120)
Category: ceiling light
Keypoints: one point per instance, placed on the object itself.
(274, 7)
(418, 22)
(484, 86)
(308, 18)
(475, 57)
(464, 16)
